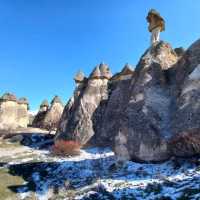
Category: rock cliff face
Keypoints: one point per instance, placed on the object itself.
(13, 112)
(49, 117)
(149, 114)
(77, 122)
(145, 120)
(186, 119)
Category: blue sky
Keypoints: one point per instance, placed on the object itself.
(43, 43)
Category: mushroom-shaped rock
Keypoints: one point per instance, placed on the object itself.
(13, 113)
(45, 103)
(155, 20)
(79, 77)
(96, 73)
(105, 71)
(23, 100)
(8, 97)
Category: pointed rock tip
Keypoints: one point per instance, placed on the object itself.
(56, 99)
(96, 72)
(105, 71)
(44, 103)
(79, 77)
(128, 69)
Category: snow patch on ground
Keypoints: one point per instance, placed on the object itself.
(95, 173)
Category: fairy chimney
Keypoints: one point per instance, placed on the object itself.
(44, 106)
(79, 77)
(105, 71)
(22, 112)
(96, 73)
(126, 73)
(53, 114)
(13, 112)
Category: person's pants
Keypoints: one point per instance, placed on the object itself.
(155, 35)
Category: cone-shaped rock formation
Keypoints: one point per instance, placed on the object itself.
(78, 121)
(49, 117)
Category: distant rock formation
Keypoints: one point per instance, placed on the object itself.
(22, 112)
(49, 117)
(149, 114)
(13, 112)
(39, 118)
(53, 114)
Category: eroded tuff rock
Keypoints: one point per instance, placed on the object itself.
(53, 114)
(149, 114)
(108, 115)
(49, 117)
(39, 118)
(186, 119)
(77, 122)
(13, 112)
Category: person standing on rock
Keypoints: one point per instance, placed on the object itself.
(156, 25)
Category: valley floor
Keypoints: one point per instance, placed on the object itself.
(28, 170)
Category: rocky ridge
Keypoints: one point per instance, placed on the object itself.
(147, 114)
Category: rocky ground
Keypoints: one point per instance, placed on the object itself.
(28, 170)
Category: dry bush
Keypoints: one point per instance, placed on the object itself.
(66, 148)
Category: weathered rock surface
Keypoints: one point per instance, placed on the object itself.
(77, 122)
(186, 119)
(13, 112)
(108, 115)
(147, 115)
(22, 112)
(49, 117)
(54, 113)
(39, 118)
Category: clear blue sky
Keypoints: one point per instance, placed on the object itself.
(43, 43)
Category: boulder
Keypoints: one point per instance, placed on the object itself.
(16, 138)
